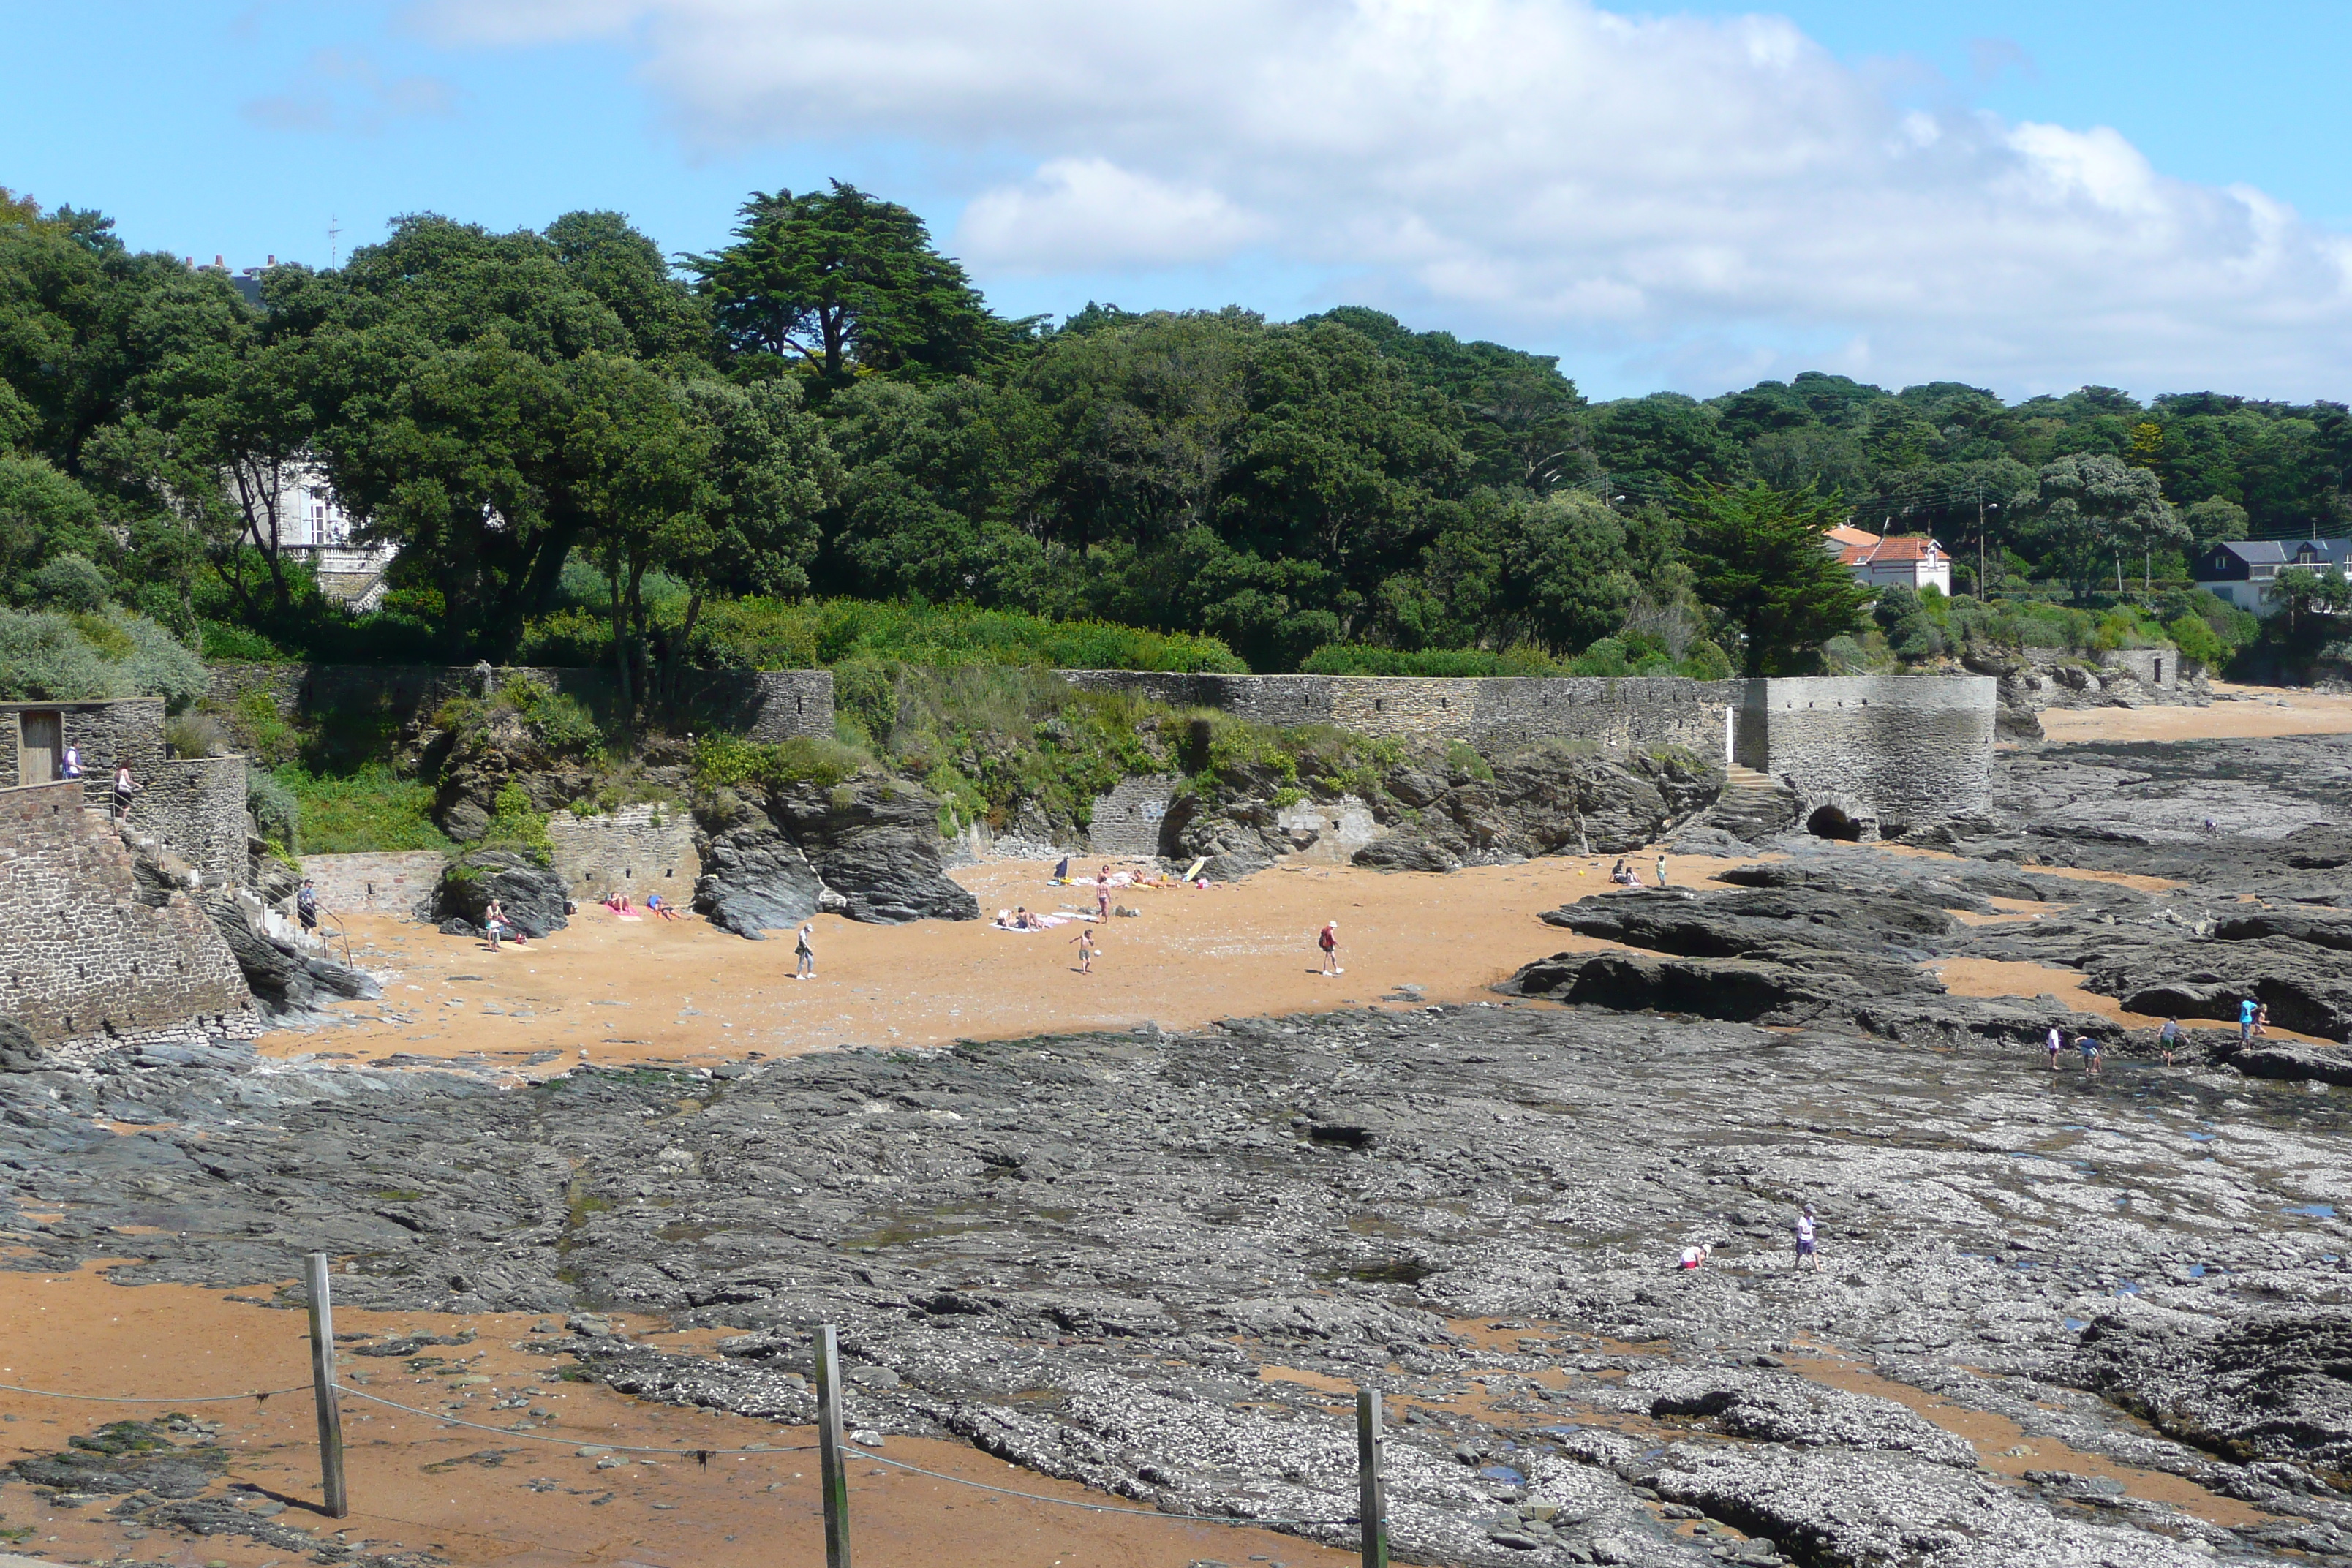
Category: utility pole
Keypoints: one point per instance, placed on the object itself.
(334, 232)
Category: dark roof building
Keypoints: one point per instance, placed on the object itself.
(2242, 571)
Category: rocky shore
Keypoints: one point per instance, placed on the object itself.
(2058, 1319)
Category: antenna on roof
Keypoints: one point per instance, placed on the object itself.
(334, 232)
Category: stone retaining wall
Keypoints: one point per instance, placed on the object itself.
(83, 963)
(1639, 712)
(636, 850)
(1126, 820)
(381, 884)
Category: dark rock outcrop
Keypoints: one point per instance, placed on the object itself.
(287, 984)
(868, 848)
(2269, 1384)
(20, 1052)
(532, 895)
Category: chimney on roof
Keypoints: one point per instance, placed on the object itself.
(273, 261)
(216, 261)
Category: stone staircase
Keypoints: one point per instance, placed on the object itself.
(1753, 804)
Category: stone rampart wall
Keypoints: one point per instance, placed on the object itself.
(83, 963)
(381, 884)
(194, 806)
(1889, 752)
(636, 850)
(1638, 712)
(764, 705)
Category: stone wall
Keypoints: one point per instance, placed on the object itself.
(194, 806)
(1636, 712)
(636, 850)
(1883, 753)
(1126, 820)
(83, 963)
(384, 884)
(764, 705)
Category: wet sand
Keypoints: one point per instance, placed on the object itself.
(418, 1484)
(2242, 713)
(672, 991)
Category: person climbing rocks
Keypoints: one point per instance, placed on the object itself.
(1693, 1257)
(2168, 1039)
(1805, 1252)
(1329, 940)
(804, 953)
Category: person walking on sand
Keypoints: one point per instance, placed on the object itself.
(1662, 870)
(804, 953)
(1086, 943)
(1806, 1257)
(2168, 1039)
(1102, 897)
(1329, 940)
(2055, 1042)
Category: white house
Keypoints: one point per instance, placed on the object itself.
(2244, 571)
(1912, 561)
(297, 501)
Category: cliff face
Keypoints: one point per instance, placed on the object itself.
(869, 848)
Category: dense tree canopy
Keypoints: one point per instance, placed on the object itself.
(569, 421)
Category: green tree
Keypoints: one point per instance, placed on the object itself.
(2090, 509)
(2303, 591)
(2213, 520)
(837, 280)
(1757, 560)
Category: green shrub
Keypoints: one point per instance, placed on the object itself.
(1358, 658)
(195, 735)
(222, 640)
(262, 730)
(568, 639)
(275, 810)
(515, 824)
(725, 760)
(1704, 660)
(45, 657)
(71, 582)
(771, 634)
(2197, 641)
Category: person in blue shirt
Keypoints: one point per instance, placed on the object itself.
(2245, 1020)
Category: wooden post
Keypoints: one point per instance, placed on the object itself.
(322, 1382)
(832, 1471)
(1372, 1492)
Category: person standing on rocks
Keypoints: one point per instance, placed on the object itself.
(2245, 1019)
(1329, 940)
(2056, 1043)
(1806, 1257)
(2168, 1039)
(1662, 870)
(1086, 943)
(2089, 1045)
(804, 954)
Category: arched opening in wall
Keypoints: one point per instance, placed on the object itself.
(1829, 822)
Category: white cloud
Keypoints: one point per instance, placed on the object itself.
(1090, 213)
(1675, 192)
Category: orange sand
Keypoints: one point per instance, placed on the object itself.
(670, 991)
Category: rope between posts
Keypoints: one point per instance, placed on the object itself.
(1105, 1507)
(148, 1399)
(570, 1442)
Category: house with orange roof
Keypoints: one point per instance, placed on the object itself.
(1911, 561)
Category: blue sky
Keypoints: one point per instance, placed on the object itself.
(1667, 198)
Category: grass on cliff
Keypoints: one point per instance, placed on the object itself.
(371, 810)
